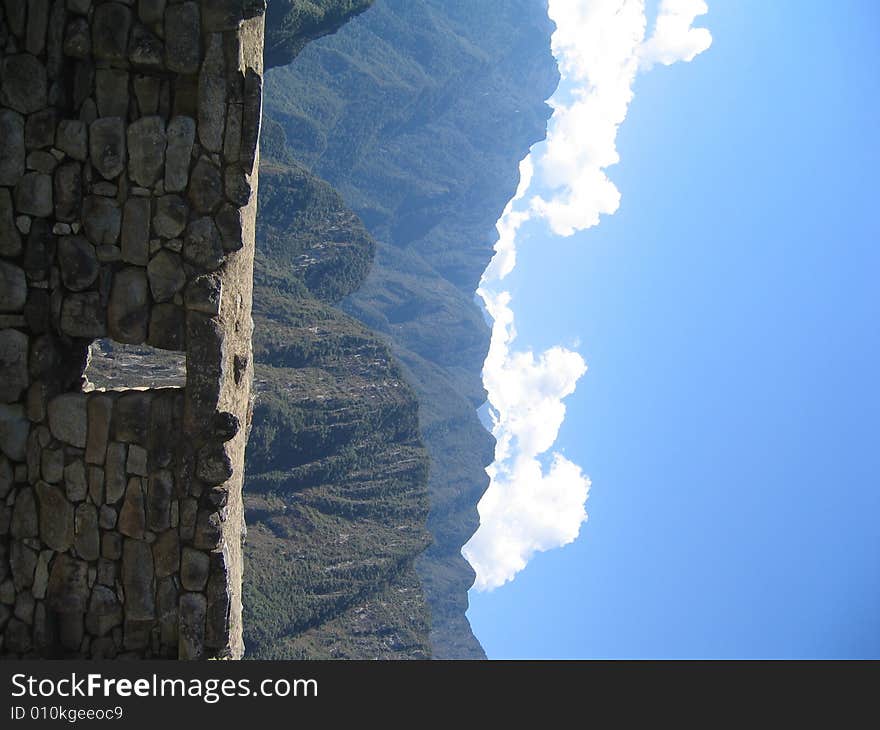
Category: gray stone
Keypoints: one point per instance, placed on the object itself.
(39, 131)
(22, 564)
(146, 150)
(107, 146)
(205, 190)
(167, 605)
(137, 460)
(152, 12)
(166, 553)
(39, 251)
(107, 517)
(138, 580)
(212, 95)
(7, 592)
(159, 490)
(10, 240)
(78, 39)
(193, 609)
(171, 215)
(202, 246)
(194, 565)
(131, 516)
(114, 472)
(17, 637)
(214, 464)
(13, 288)
(23, 83)
(52, 464)
(132, 417)
(41, 574)
(105, 611)
(96, 484)
(68, 589)
(146, 91)
(68, 191)
(79, 263)
(229, 222)
(111, 546)
(70, 630)
(83, 315)
(13, 363)
(106, 572)
(237, 186)
(14, 430)
(87, 539)
(182, 38)
(110, 25)
(7, 475)
(79, 6)
(145, 50)
(111, 93)
(207, 534)
(68, 419)
(37, 22)
(232, 136)
(109, 254)
(72, 138)
(168, 327)
(41, 161)
(24, 515)
(100, 410)
(136, 231)
(166, 275)
(128, 311)
(56, 517)
(12, 151)
(181, 135)
(75, 483)
(33, 194)
(16, 13)
(24, 607)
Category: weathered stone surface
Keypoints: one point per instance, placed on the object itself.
(105, 611)
(132, 516)
(146, 150)
(181, 135)
(70, 630)
(24, 515)
(207, 531)
(107, 146)
(72, 138)
(16, 15)
(75, 483)
(146, 91)
(41, 161)
(13, 363)
(100, 410)
(87, 539)
(68, 419)
(138, 580)
(39, 130)
(79, 263)
(96, 485)
(83, 315)
(166, 553)
(68, 191)
(214, 464)
(13, 288)
(102, 219)
(128, 311)
(237, 186)
(23, 83)
(229, 222)
(166, 275)
(78, 39)
(12, 151)
(111, 23)
(145, 50)
(52, 464)
(171, 215)
(22, 564)
(201, 246)
(111, 93)
(137, 460)
(132, 416)
(182, 38)
(167, 327)
(24, 607)
(10, 240)
(136, 231)
(151, 13)
(6, 476)
(114, 472)
(14, 430)
(193, 608)
(205, 190)
(111, 546)
(212, 95)
(194, 566)
(68, 589)
(37, 22)
(160, 487)
(56, 517)
(41, 574)
(33, 194)
(107, 517)
(166, 605)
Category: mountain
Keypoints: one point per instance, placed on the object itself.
(418, 112)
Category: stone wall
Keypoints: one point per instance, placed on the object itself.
(128, 158)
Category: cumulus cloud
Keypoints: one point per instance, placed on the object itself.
(536, 497)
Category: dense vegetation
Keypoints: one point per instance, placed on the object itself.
(418, 113)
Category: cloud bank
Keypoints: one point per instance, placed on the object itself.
(536, 497)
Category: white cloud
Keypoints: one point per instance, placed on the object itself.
(536, 496)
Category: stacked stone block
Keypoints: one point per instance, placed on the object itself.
(128, 158)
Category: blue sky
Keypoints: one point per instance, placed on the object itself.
(728, 315)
